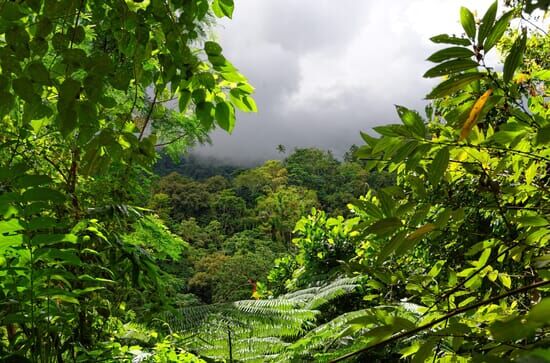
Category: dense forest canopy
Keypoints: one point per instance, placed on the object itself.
(429, 243)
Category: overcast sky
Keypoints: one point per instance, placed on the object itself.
(325, 70)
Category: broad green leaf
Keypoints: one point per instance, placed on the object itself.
(371, 208)
(543, 135)
(404, 151)
(484, 258)
(41, 222)
(184, 99)
(543, 75)
(447, 39)
(497, 31)
(413, 238)
(450, 53)
(540, 313)
(533, 221)
(514, 58)
(225, 116)
(468, 22)
(136, 5)
(511, 330)
(10, 11)
(39, 73)
(47, 239)
(223, 8)
(42, 194)
(505, 280)
(10, 226)
(7, 101)
(24, 89)
(242, 101)
(204, 114)
(384, 226)
(449, 67)
(412, 120)
(454, 84)
(436, 268)
(212, 48)
(391, 246)
(438, 166)
(33, 180)
(425, 351)
(487, 23)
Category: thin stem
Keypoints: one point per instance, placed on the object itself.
(148, 118)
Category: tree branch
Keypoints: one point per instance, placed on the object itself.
(455, 312)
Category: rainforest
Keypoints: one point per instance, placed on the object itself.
(428, 241)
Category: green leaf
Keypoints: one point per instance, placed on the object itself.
(436, 268)
(48, 239)
(511, 330)
(543, 135)
(33, 180)
(533, 221)
(184, 99)
(447, 39)
(449, 67)
(384, 226)
(212, 48)
(391, 246)
(7, 101)
(425, 351)
(412, 120)
(505, 280)
(24, 89)
(454, 84)
(41, 222)
(513, 59)
(497, 31)
(65, 299)
(10, 226)
(487, 23)
(438, 166)
(42, 194)
(38, 73)
(540, 313)
(404, 151)
(468, 22)
(223, 8)
(10, 11)
(204, 113)
(450, 53)
(136, 5)
(242, 101)
(225, 115)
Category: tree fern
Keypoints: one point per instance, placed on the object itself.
(254, 330)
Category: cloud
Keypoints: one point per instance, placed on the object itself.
(325, 70)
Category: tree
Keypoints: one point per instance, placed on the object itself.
(82, 88)
(454, 249)
(313, 169)
(229, 209)
(252, 183)
(280, 210)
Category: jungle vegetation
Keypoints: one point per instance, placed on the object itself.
(428, 243)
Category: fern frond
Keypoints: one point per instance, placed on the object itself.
(260, 330)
